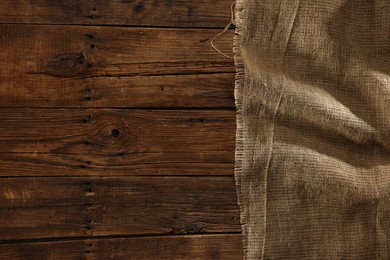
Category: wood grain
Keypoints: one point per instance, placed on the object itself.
(104, 142)
(126, 164)
(185, 91)
(80, 179)
(73, 66)
(43, 66)
(201, 247)
(73, 207)
(173, 13)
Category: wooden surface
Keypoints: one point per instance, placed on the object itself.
(197, 247)
(167, 13)
(99, 206)
(117, 131)
(107, 142)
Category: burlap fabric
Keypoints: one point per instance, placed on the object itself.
(313, 128)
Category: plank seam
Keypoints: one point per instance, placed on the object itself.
(83, 238)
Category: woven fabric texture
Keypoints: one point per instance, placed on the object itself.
(313, 128)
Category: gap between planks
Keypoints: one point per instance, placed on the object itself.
(232, 28)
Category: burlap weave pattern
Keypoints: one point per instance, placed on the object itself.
(313, 128)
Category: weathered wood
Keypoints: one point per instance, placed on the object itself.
(38, 61)
(202, 247)
(73, 207)
(73, 66)
(104, 142)
(99, 67)
(150, 163)
(174, 13)
(204, 90)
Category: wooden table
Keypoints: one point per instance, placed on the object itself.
(117, 130)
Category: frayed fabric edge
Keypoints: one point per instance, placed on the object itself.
(238, 91)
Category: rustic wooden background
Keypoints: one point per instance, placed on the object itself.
(117, 130)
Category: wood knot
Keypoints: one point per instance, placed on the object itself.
(188, 228)
(66, 65)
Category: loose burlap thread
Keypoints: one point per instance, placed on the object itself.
(313, 147)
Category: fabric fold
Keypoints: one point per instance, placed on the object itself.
(312, 154)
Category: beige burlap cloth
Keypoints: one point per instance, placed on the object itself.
(313, 128)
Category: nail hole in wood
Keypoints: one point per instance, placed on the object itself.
(89, 221)
(89, 190)
(87, 119)
(115, 133)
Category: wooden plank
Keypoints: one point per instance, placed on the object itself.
(159, 163)
(34, 208)
(150, 163)
(104, 142)
(203, 90)
(44, 66)
(202, 247)
(174, 13)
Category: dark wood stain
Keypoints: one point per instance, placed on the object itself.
(161, 247)
(93, 206)
(117, 131)
(166, 13)
(139, 7)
